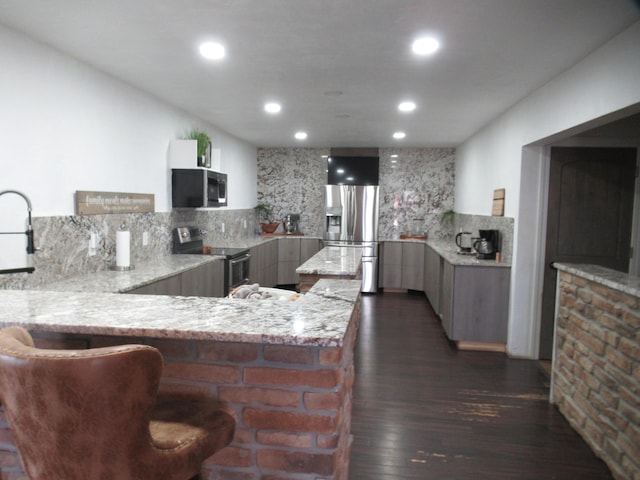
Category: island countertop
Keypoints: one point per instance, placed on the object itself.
(318, 318)
(333, 260)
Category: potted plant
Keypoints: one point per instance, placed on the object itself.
(263, 213)
(446, 217)
(203, 146)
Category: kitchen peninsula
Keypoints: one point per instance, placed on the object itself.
(595, 380)
(330, 262)
(285, 369)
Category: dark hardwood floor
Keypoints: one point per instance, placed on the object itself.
(424, 410)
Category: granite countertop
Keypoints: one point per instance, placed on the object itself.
(613, 279)
(318, 318)
(110, 281)
(333, 261)
(260, 239)
(447, 250)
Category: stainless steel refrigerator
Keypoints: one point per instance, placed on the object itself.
(351, 219)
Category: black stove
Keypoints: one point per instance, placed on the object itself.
(190, 240)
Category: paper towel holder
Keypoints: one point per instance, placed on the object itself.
(121, 268)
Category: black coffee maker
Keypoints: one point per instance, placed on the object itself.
(487, 245)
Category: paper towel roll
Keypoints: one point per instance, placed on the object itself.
(123, 248)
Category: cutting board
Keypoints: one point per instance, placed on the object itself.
(497, 210)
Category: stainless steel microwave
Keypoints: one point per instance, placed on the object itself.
(198, 188)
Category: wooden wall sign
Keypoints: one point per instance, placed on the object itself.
(99, 203)
(497, 209)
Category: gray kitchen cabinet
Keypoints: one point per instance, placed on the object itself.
(412, 266)
(402, 265)
(214, 279)
(288, 260)
(167, 286)
(289, 249)
(293, 252)
(263, 266)
(474, 302)
(193, 282)
(203, 281)
(270, 254)
(432, 276)
(308, 248)
(255, 263)
(391, 265)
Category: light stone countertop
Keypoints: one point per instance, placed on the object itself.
(110, 281)
(613, 279)
(318, 318)
(447, 250)
(333, 260)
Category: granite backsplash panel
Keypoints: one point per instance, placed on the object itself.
(63, 241)
(292, 180)
(473, 223)
(416, 183)
(416, 187)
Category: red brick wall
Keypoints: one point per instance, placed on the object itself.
(292, 404)
(596, 373)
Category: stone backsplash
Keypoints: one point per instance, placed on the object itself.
(415, 183)
(292, 180)
(473, 223)
(416, 187)
(63, 241)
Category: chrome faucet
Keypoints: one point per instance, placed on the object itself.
(31, 249)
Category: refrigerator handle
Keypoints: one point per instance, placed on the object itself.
(352, 213)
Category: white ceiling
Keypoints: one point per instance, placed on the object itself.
(301, 52)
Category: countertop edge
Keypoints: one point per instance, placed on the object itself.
(304, 322)
(620, 281)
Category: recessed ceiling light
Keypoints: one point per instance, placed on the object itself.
(407, 107)
(425, 46)
(272, 107)
(399, 135)
(301, 135)
(212, 50)
(394, 155)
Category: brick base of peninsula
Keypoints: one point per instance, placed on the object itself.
(291, 394)
(596, 378)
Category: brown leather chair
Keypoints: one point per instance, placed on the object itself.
(96, 414)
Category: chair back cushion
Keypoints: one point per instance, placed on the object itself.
(79, 414)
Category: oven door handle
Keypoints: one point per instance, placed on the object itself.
(244, 258)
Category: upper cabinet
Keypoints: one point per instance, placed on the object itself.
(183, 153)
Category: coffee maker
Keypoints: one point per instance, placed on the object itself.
(487, 245)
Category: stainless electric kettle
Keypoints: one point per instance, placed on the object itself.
(463, 241)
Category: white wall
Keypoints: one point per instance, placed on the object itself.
(606, 81)
(66, 126)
